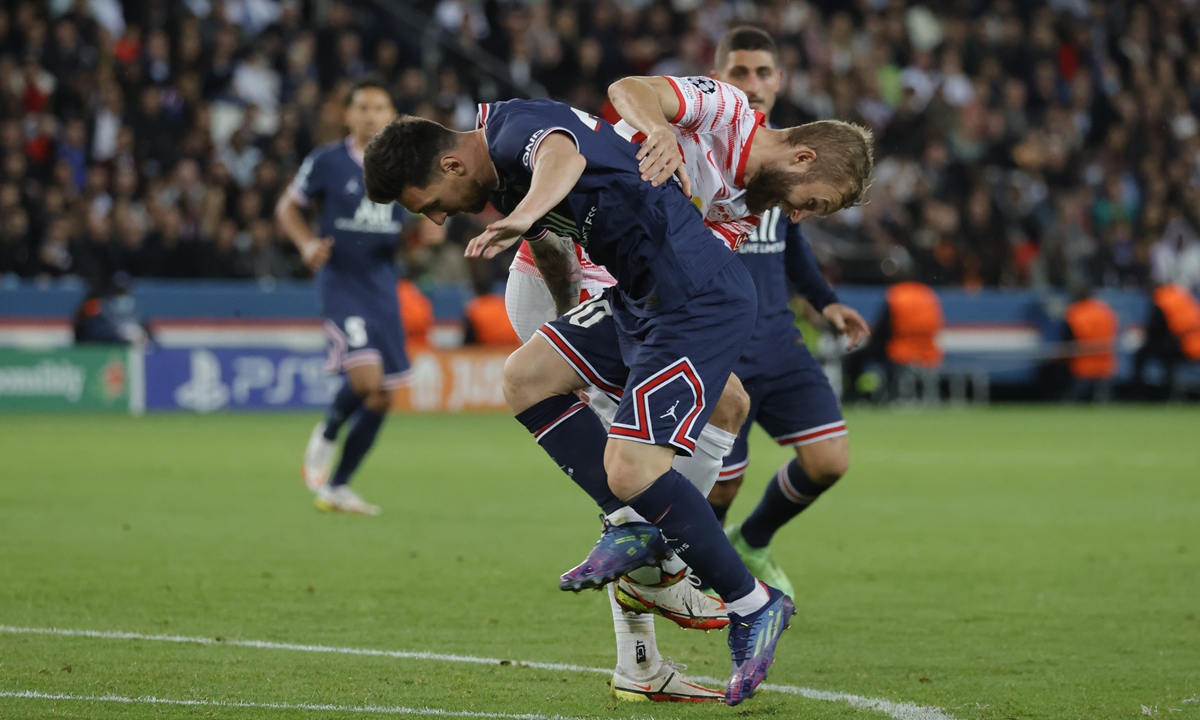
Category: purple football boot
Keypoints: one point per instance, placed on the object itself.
(752, 642)
(620, 549)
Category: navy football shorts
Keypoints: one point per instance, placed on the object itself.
(666, 372)
(792, 400)
(358, 336)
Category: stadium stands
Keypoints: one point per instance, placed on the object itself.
(1022, 144)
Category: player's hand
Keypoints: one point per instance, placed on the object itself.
(847, 322)
(316, 253)
(659, 158)
(498, 237)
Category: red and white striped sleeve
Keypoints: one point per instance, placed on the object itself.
(705, 104)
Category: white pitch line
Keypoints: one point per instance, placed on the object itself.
(374, 709)
(898, 710)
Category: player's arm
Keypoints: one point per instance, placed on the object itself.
(289, 213)
(802, 270)
(650, 105)
(557, 166)
(556, 260)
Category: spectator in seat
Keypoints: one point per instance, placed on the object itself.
(109, 314)
(15, 248)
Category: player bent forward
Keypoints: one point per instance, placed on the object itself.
(681, 311)
(714, 125)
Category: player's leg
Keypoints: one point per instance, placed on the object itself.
(365, 381)
(735, 462)
(375, 366)
(657, 588)
(321, 451)
(680, 362)
(799, 410)
(540, 383)
(641, 672)
(322, 443)
(717, 438)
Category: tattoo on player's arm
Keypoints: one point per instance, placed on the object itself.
(556, 261)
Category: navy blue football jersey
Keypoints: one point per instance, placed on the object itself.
(652, 240)
(775, 254)
(361, 268)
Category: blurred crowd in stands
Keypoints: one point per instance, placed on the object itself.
(1020, 143)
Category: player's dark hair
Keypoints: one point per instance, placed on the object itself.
(404, 154)
(845, 157)
(367, 82)
(744, 38)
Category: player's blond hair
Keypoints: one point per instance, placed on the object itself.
(845, 155)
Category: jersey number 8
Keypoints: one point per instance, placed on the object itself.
(356, 331)
(589, 312)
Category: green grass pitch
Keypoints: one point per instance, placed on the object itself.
(1000, 563)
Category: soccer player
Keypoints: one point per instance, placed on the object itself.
(640, 671)
(353, 261)
(680, 308)
(790, 395)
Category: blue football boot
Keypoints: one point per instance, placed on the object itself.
(620, 549)
(752, 642)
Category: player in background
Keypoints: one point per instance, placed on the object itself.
(790, 395)
(353, 259)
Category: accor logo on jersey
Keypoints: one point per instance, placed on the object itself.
(370, 217)
(529, 147)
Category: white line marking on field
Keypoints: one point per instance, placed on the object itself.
(376, 709)
(898, 710)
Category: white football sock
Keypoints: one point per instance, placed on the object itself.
(624, 515)
(637, 650)
(673, 565)
(703, 467)
(602, 405)
(751, 603)
(646, 575)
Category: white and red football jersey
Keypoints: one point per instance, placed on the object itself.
(715, 127)
(595, 277)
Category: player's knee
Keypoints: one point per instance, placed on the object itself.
(527, 377)
(827, 461)
(378, 401)
(535, 372)
(624, 480)
(633, 467)
(724, 492)
(733, 407)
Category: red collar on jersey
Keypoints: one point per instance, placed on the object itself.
(739, 178)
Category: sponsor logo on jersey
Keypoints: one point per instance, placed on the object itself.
(587, 226)
(370, 217)
(525, 159)
(764, 240)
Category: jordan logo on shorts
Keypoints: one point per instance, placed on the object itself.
(670, 412)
